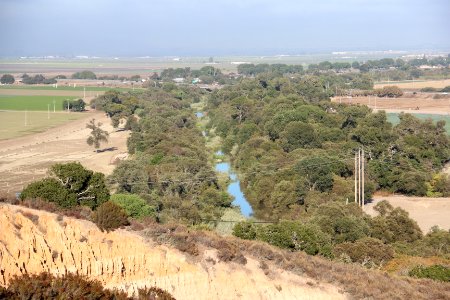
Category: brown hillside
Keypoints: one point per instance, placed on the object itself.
(217, 268)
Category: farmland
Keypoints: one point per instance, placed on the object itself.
(415, 84)
(24, 159)
(16, 123)
(32, 103)
(419, 103)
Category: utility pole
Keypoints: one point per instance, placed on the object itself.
(362, 190)
(54, 108)
(48, 111)
(359, 177)
(356, 178)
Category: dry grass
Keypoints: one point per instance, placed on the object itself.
(416, 84)
(353, 279)
(402, 264)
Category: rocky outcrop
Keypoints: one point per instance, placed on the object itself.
(33, 241)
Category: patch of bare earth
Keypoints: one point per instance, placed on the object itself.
(426, 211)
(419, 103)
(25, 159)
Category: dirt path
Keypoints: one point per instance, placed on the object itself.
(409, 104)
(426, 211)
(25, 159)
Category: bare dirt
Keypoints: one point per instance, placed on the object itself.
(426, 211)
(25, 159)
(35, 241)
(420, 103)
(415, 85)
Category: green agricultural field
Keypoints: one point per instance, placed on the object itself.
(31, 103)
(393, 118)
(62, 88)
(15, 124)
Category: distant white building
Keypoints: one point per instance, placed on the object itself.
(178, 80)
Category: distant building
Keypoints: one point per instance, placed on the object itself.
(178, 80)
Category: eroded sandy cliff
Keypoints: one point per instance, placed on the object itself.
(34, 241)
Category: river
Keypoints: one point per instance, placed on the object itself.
(234, 189)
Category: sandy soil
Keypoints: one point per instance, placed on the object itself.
(25, 159)
(407, 103)
(415, 85)
(426, 211)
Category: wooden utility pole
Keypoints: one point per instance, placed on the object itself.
(359, 177)
(356, 178)
(362, 190)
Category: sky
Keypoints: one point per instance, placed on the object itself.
(219, 27)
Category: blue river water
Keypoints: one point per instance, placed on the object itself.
(234, 189)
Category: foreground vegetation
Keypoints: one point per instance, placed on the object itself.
(45, 286)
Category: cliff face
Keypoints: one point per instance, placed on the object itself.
(34, 241)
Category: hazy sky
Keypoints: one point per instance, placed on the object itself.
(219, 27)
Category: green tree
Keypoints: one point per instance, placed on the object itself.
(84, 75)
(7, 79)
(98, 135)
(71, 184)
(74, 105)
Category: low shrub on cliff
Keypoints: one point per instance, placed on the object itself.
(154, 293)
(369, 252)
(46, 286)
(435, 272)
(109, 216)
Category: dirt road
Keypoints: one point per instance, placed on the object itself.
(426, 211)
(25, 159)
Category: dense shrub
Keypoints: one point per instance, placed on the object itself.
(296, 236)
(46, 286)
(394, 225)
(134, 206)
(367, 251)
(70, 286)
(429, 89)
(244, 230)
(109, 216)
(7, 79)
(84, 75)
(228, 251)
(389, 91)
(434, 243)
(435, 272)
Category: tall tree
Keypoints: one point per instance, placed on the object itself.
(98, 135)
